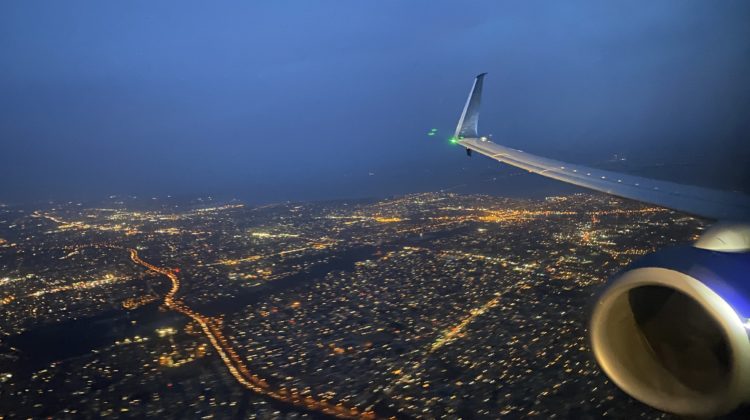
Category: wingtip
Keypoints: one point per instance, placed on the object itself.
(481, 74)
(467, 124)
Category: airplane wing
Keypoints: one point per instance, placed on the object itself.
(698, 201)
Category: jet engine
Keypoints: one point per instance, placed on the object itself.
(673, 330)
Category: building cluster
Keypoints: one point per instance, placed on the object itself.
(426, 305)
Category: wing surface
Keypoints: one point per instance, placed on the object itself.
(698, 201)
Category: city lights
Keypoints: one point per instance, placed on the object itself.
(426, 303)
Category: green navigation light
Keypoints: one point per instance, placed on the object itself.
(453, 140)
(431, 133)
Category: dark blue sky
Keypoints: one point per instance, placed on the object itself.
(280, 100)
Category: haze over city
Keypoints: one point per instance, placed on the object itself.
(273, 101)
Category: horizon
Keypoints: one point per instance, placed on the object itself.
(101, 99)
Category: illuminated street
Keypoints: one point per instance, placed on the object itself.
(233, 362)
(426, 305)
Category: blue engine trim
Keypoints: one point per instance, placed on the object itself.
(726, 273)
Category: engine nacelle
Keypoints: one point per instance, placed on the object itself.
(673, 331)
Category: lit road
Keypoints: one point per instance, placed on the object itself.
(455, 331)
(234, 363)
(449, 335)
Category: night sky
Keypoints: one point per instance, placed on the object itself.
(281, 100)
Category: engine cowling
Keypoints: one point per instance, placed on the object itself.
(673, 330)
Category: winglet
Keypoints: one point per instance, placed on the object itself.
(467, 125)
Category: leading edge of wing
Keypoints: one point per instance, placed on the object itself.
(698, 201)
